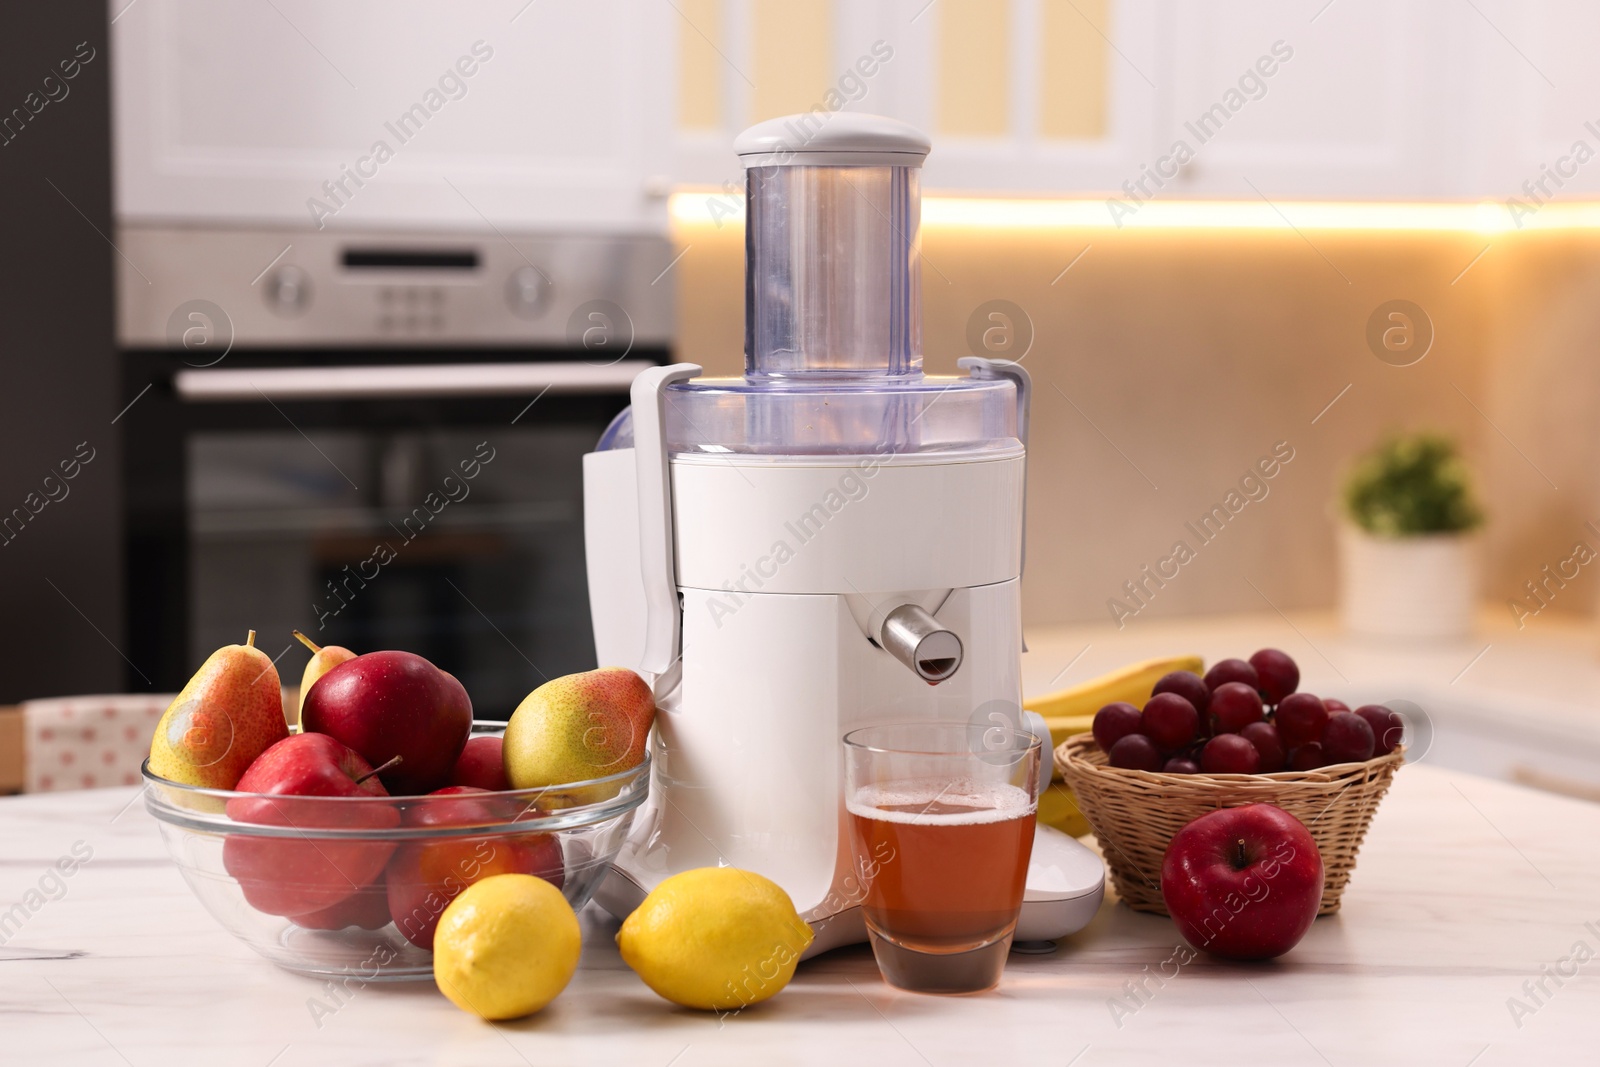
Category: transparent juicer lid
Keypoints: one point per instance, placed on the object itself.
(833, 323)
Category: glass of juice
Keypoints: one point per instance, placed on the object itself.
(941, 822)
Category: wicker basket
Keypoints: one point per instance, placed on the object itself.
(1135, 813)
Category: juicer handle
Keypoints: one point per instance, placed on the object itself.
(990, 369)
(663, 622)
(1006, 368)
(1034, 723)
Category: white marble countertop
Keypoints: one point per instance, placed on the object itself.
(1464, 890)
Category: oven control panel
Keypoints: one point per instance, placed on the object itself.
(282, 287)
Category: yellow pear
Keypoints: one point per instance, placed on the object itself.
(230, 712)
(579, 727)
(324, 658)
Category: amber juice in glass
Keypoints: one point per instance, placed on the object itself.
(941, 820)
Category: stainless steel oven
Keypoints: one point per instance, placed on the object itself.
(373, 438)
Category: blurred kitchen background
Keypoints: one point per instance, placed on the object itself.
(218, 284)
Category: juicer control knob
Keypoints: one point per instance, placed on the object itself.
(916, 639)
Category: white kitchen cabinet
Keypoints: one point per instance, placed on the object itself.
(1366, 99)
(1232, 99)
(1016, 153)
(1396, 99)
(1371, 99)
(476, 115)
(1021, 154)
(588, 111)
(1537, 114)
(1353, 99)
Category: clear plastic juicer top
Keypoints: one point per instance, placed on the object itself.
(833, 310)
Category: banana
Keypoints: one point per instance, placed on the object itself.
(1131, 683)
(1064, 726)
(1059, 808)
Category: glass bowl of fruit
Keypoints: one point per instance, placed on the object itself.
(313, 864)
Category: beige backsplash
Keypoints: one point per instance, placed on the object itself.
(1167, 363)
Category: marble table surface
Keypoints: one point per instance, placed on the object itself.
(1465, 890)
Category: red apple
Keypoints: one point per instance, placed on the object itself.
(1279, 674)
(1170, 721)
(1347, 738)
(1234, 706)
(1114, 722)
(1388, 729)
(482, 764)
(1301, 718)
(388, 704)
(1243, 883)
(285, 876)
(367, 908)
(425, 876)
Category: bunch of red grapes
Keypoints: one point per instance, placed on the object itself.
(1243, 717)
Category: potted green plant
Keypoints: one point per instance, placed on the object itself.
(1409, 554)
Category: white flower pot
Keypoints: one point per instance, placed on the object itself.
(1408, 587)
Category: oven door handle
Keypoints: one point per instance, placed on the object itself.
(252, 384)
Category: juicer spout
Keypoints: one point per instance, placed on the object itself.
(916, 639)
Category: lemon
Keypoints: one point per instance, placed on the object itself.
(715, 938)
(506, 946)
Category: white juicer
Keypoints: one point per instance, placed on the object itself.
(831, 541)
